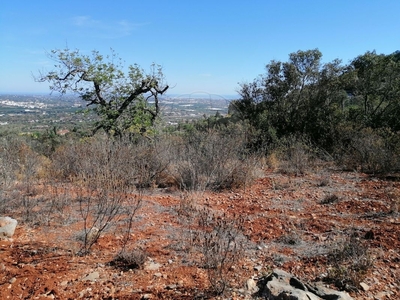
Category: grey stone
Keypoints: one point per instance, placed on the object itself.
(7, 227)
(327, 293)
(258, 268)
(281, 285)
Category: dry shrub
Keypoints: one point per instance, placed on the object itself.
(129, 259)
(220, 241)
(349, 263)
(330, 199)
(136, 163)
(273, 161)
(295, 155)
(20, 170)
(217, 237)
(213, 160)
(394, 198)
(369, 150)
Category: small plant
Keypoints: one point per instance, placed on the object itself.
(329, 199)
(129, 259)
(324, 180)
(281, 184)
(349, 263)
(290, 239)
(220, 242)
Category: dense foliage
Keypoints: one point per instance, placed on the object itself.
(330, 104)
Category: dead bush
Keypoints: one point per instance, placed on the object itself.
(369, 150)
(136, 163)
(213, 160)
(129, 259)
(329, 199)
(218, 238)
(349, 262)
(9, 147)
(220, 241)
(295, 155)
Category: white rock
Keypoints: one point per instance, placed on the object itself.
(258, 268)
(7, 227)
(251, 285)
(152, 266)
(364, 286)
(91, 277)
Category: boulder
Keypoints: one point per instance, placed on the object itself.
(7, 227)
(280, 285)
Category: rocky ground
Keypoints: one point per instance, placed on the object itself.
(290, 222)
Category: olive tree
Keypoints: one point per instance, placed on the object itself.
(119, 95)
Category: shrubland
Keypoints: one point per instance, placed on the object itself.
(301, 116)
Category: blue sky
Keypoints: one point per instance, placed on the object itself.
(208, 46)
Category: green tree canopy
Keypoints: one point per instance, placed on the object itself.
(120, 99)
(375, 90)
(304, 96)
(301, 95)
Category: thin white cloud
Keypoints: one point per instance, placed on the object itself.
(105, 29)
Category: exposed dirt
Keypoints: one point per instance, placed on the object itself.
(291, 222)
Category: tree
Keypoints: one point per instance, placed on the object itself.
(376, 90)
(301, 95)
(121, 100)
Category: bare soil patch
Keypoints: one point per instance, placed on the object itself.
(286, 221)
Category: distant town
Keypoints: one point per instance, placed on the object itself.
(35, 112)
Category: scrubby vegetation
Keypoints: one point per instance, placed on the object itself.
(300, 116)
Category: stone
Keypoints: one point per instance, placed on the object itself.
(151, 266)
(7, 227)
(364, 286)
(91, 277)
(258, 268)
(282, 285)
(326, 293)
(251, 285)
(171, 287)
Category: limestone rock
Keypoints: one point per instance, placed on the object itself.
(151, 266)
(91, 277)
(281, 285)
(364, 286)
(7, 227)
(251, 285)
